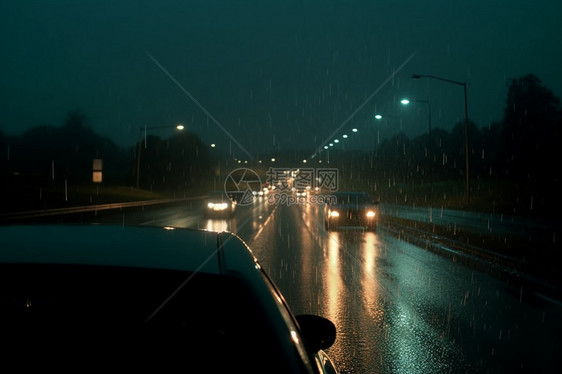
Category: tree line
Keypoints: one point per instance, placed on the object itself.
(49, 156)
(522, 149)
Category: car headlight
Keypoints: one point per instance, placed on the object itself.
(370, 214)
(217, 206)
(334, 213)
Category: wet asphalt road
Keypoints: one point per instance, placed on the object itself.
(398, 308)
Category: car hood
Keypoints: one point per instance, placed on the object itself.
(133, 246)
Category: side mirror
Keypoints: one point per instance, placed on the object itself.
(318, 332)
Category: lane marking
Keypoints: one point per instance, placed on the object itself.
(263, 226)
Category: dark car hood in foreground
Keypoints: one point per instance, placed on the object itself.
(144, 294)
(151, 247)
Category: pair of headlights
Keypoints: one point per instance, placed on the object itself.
(217, 206)
(368, 214)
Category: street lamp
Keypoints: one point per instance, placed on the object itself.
(388, 120)
(463, 84)
(178, 127)
(406, 102)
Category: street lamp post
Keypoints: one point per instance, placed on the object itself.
(463, 84)
(139, 148)
(389, 120)
(406, 102)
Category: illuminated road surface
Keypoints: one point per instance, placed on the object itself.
(398, 308)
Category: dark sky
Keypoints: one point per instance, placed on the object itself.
(269, 74)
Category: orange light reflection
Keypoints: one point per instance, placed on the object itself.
(217, 225)
(334, 283)
(369, 284)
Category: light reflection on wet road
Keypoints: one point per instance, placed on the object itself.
(398, 308)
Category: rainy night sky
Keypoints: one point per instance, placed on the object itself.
(269, 74)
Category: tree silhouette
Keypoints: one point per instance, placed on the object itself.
(175, 164)
(48, 158)
(531, 132)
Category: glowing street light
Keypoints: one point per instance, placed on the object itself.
(178, 127)
(463, 84)
(406, 102)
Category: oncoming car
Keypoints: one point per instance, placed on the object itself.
(301, 192)
(219, 205)
(150, 295)
(351, 209)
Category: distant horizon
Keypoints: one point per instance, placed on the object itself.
(221, 148)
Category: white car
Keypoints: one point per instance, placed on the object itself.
(219, 205)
